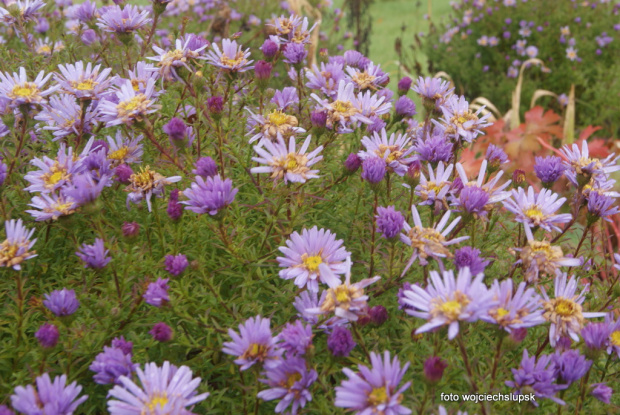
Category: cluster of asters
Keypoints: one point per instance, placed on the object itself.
(522, 36)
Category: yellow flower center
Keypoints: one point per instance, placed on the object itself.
(534, 213)
(342, 106)
(54, 178)
(277, 118)
(501, 312)
(378, 396)
(85, 85)
(119, 154)
(451, 309)
(132, 104)
(615, 338)
(295, 377)
(136, 84)
(255, 351)
(434, 187)
(239, 59)
(312, 262)
(542, 247)
(342, 294)
(27, 90)
(144, 178)
(364, 80)
(44, 50)
(565, 307)
(291, 162)
(157, 401)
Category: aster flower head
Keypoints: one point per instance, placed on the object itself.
(157, 293)
(95, 255)
(600, 206)
(613, 345)
(459, 121)
(61, 302)
(17, 90)
(389, 222)
(295, 338)
(346, 110)
(516, 308)
(124, 149)
(374, 169)
(231, 58)
(602, 392)
(570, 366)
(286, 162)
(345, 300)
(375, 389)
(129, 106)
(161, 332)
(165, 390)
(305, 252)
(340, 341)
(63, 116)
(47, 335)
(435, 189)
(16, 248)
(536, 377)
(537, 210)
(20, 11)
(54, 173)
(548, 169)
(477, 197)
(83, 81)
(111, 364)
(289, 381)
(176, 264)
(581, 168)
(253, 344)
(270, 127)
(395, 150)
(139, 77)
(145, 184)
(123, 21)
(371, 77)
(326, 78)
(210, 195)
(542, 258)
(596, 335)
(434, 91)
(495, 156)
(429, 241)
(469, 257)
(564, 311)
(169, 61)
(447, 300)
(54, 397)
(51, 206)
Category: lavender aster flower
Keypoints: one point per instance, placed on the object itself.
(548, 169)
(295, 338)
(123, 21)
(270, 127)
(565, 312)
(20, 11)
(433, 91)
(602, 392)
(435, 149)
(176, 264)
(394, 150)
(61, 302)
(570, 366)
(157, 293)
(161, 332)
(170, 62)
(125, 345)
(305, 252)
(49, 397)
(95, 255)
(16, 90)
(285, 162)
(581, 168)
(83, 82)
(340, 341)
(205, 167)
(472, 198)
(165, 390)
(4, 410)
(516, 309)
(405, 107)
(230, 58)
(596, 335)
(294, 53)
(346, 110)
(51, 207)
(537, 210)
(111, 364)
(448, 300)
(390, 222)
(47, 335)
(63, 117)
(15, 249)
(495, 156)
(370, 77)
(600, 206)
(124, 149)
(209, 196)
(129, 106)
(326, 79)
(469, 257)
(374, 389)
(459, 121)
(145, 184)
(536, 377)
(289, 381)
(254, 344)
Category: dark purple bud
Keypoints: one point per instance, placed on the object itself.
(47, 335)
(518, 177)
(161, 332)
(205, 167)
(123, 172)
(434, 368)
(378, 314)
(262, 70)
(404, 85)
(176, 129)
(352, 163)
(412, 177)
(269, 49)
(405, 107)
(130, 229)
(340, 341)
(318, 119)
(389, 223)
(175, 209)
(215, 105)
(518, 335)
(125, 345)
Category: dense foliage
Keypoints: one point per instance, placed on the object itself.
(238, 218)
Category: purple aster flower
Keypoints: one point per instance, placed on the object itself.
(374, 389)
(170, 62)
(537, 210)
(459, 121)
(374, 169)
(271, 127)
(405, 107)
(340, 341)
(209, 196)
(15, 249)
(448, 300)
(63, 116)
(161, 332)
(85, 12)
(352, 163)
(88, 37)
(326, 78)
(285, 162)
(429, 241)
(47, 335)
(254, 344)
(564, 311)
(128, 105)
(95, 255)
(370, 77)
(515, 309)
(469, 257)
(51, 207)
(433, 191)
(305, 252)
(123, 21)
(295, 338)
(111, 364)
(145, 184)
(596, 335)
(61, 302)
(390, 222)
(16, 90)
(53, 173)
(130, 229)
(166, 390)
(602, 392)
(124, 149)
(230, 58)
(157, 293)
(205, 167)
(394, 150)
(570, 366)
(581, 168)
(285, 98)
(176, 129)
(377, 125)
(289, 381)
(404, 85)
(269, 48)
(434, 91)
(378, 314)
(125, 345)
(83, 82)
(434, 367)
(536, 377)
(345, 300)
(176, 264)
(27, 10)
(548, 169)
(495, 156)
(434, 149)
(49, 397)
(600, 206)
(174, 209)
(471, 198)
(83, 189)
(294, 53)
(346, 109)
